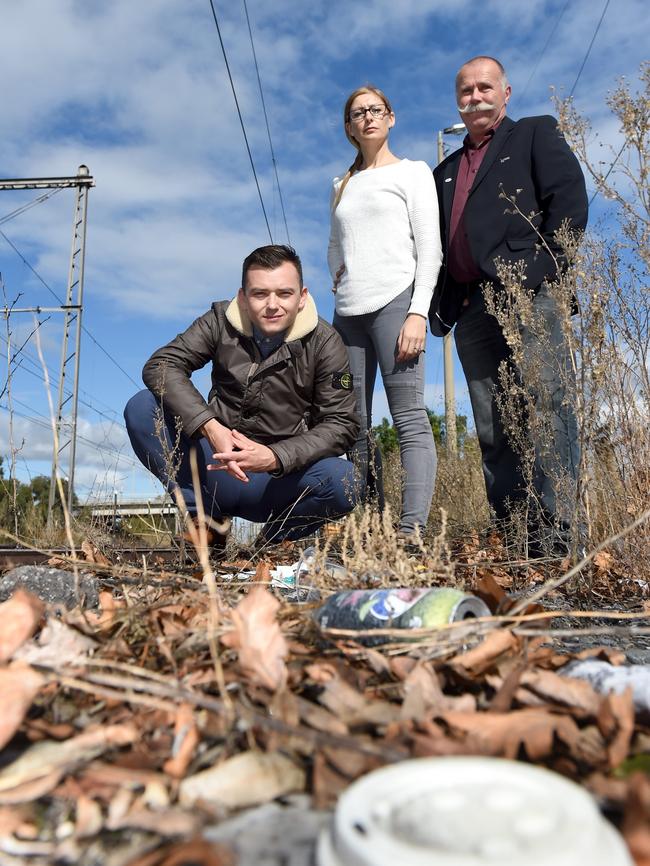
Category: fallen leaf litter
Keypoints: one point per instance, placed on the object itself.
(118, 736)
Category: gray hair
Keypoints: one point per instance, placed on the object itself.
(497, 63)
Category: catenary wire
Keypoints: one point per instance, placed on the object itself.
(45, 424)
(593, 39)
(266, 121)
(38, 373)
(241, 119)
(30, 204)
(54, 294)
(543, 52)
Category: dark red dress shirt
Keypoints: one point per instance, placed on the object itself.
(461, 264)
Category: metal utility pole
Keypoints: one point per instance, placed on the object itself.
(72, 322)
(447, 356)
(72, 310)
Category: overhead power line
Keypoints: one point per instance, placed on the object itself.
(266, 121)
(30, 204)
(593, 39)
(54, 294)
(241, 119)
(22, 354)
(45, 424)
(543, 52)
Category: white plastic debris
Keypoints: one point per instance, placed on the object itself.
(605, 678)
(468, 812)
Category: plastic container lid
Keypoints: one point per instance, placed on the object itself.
(468, 812)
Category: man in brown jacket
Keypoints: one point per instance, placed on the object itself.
(280, 410)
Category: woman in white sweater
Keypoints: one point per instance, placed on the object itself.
(384, 255)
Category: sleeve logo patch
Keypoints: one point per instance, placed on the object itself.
(342, 381)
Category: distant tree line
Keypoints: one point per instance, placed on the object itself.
(385, 434)
(23, 506)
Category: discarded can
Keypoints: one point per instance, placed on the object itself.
(468, 811)
(398, 608)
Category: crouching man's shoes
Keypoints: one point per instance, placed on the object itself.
(217, 532)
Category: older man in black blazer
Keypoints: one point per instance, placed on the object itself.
(528, 159)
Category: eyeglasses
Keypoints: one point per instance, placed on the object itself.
(376, 111)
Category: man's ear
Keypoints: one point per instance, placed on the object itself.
(303, 298)
(241, 297)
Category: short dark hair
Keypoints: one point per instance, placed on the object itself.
(269, 258)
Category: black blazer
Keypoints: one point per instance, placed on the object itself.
(531, 160)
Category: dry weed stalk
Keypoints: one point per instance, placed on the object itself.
(59, 483)
(374, 554)
(198, 533)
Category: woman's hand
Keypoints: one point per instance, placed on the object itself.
(412, 338)
(337, 278)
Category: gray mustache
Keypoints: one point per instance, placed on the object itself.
(470, 109)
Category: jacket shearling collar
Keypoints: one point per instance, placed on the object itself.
(305, 322)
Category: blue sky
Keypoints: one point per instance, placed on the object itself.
(138, 92)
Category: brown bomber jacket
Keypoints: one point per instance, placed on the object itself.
(298, 401)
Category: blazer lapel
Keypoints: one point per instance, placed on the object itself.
(449, 185)
(494, 149)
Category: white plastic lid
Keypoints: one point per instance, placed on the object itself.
(468, 812)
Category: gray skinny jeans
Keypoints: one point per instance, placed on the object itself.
(371, 340)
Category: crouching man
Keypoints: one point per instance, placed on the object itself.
(280, 410)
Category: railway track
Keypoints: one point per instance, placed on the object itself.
(12, 557)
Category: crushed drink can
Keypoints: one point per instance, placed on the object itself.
(398, 607)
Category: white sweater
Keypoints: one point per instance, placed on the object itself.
(385, 230)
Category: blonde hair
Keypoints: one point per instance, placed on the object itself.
(356, 165)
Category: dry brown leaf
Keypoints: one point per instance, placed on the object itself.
(320, 718)
(401, 666)
(258, 639)
(11, 819)
(248, 779)
(603, 560)
(186, 739)
(92, 554)
(491, 592)
(195, 851)
(88, 820)
(103, 774)
(327, 782)
(19, 617)
(616, 723)
(263, 573)
(109, 609)
(164, 822)
(636, 822)
(321, 672)
(19, 684)
(503, 734)
(423, 695)
(353, 708)
(56, 645)
(350, 762)
(43, 763)
(495, 645)
(562, 690)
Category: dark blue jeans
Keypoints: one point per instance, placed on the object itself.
(291, 506)
(482, 348)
